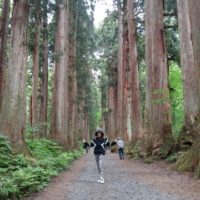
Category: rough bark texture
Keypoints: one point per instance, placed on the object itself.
(35, 88)
(82, 124)
(60, 93)
(120, 75)
(3, 38)
(128, 101)
(134, 95)
(189, 28)
(112, 98)
(125, 76)
(44, 82)
(189, 44)
(158, 122)
(12, 115)
(72, 83)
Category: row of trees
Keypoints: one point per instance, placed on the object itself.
(44, 42)
(126, 112)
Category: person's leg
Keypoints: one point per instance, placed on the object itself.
(101, 164)
(120, 153)
(97, 162)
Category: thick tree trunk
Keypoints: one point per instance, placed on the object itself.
(44, 83)
(190, 61)
(125, 76)
(83, 118)
(3, 38)
(134, 99)
(60, 93)
(158, 120)
(35, 86)
(189, 28)
(112, 98)
(120, 75)
(12, 115)
(72, 72)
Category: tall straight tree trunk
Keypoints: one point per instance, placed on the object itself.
(72, 71)
(3, 38)
(135, 114)
(189, 28)
(120, 73)
(60, 93)
(125, 75)
(190, 60)
(12, 115)
(112, 98)
(158, 121)
(35, 66)
(44, 84)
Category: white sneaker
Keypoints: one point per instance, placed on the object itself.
(101, 180)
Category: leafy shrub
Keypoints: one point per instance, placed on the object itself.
(173, 157)
(21, 175)
(176, 98)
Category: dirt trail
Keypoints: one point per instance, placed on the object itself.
(124, 180)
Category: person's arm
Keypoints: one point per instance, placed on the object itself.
(113, 143)
(92, 144)
(106, 143)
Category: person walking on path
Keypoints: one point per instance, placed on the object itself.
(120, 145)
(99, 144)
(85, 146)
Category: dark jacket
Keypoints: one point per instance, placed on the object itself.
(99, 145)
(85, 145)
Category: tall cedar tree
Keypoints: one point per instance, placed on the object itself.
(36, 50)
(12, 115)
(44, 72)
(189, 28)
(72, 82)
(157, 110)
(59, 125)
(3, 38)
(136, 121)
(120, 71)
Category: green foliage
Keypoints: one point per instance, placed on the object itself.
(173, 157)
(21, 175)
(176, 98)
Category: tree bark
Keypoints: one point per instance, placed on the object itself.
(59, 124)
(72, 83)
(44, 83)
(112, 98)
(125, 76)
(12, 115)
(120, 74)
(157, 111)
(189, 28)
(134, 100)
(36, 50)
(3, 38)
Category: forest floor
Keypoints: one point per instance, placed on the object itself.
(124, 180)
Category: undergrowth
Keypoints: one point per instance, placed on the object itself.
(21, 175)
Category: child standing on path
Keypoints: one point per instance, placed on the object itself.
(99, 143)
(120, 145)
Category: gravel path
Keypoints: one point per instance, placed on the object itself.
(124, 180)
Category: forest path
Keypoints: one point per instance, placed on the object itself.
(124, 180)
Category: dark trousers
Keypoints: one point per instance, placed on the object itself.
(121, 153)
